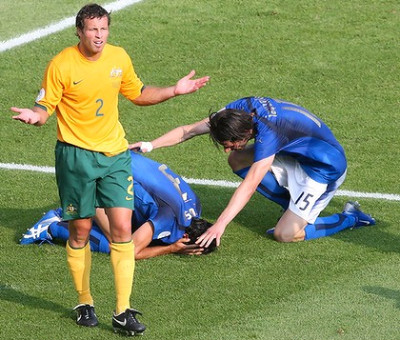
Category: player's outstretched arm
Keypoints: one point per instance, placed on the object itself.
(153, 95)
(174, 136)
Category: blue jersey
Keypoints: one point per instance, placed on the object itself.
(283, 128)
(163, 198)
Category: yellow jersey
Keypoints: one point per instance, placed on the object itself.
(84, 94)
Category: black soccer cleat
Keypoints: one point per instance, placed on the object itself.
(86, 316)
(126, 322)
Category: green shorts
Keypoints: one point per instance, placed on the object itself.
(88, 179)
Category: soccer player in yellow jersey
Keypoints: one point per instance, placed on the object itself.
(81, 84)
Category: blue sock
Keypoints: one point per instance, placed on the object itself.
(326, 226)
(98, 242)
(269, 188)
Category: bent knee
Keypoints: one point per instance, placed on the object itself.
(283, 237)
(287, 236)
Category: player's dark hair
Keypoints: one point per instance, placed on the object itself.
(90, 11)
(197, 227)
(230, 125)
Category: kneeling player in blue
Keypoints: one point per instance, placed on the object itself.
(165, 220)
(295, 161)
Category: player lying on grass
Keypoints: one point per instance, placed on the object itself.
(295, 161)
(166, 218)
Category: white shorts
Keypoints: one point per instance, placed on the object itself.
(307, 196)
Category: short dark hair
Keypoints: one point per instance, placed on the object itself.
(230, 125)
(90, 11)
(197, 227)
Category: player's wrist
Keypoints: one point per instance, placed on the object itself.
(146, 147)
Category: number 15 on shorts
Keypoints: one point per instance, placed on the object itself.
(303, 201)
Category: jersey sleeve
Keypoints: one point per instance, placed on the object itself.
(52, 89)
(131, 85)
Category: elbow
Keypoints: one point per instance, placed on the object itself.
(140, 102)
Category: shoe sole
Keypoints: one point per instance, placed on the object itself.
(79, 324)
(93, 324)
(126, 332)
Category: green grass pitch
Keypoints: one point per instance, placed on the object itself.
(339, 59)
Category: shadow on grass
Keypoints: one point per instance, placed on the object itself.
(379, 236)
(387, 293)
(22, 218)
(9, 294)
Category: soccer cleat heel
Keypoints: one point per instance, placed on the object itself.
(39, 232)
(352, 208)
(86, 316)
(127, 323)
(270, 231)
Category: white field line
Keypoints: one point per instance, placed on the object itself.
(209, 182)
(58, 26)
(116, 6)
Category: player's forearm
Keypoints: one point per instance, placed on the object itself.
(173, 137)
(246, 189)
(181, 134)
(237, 202)
(153, 95)
(150, 252)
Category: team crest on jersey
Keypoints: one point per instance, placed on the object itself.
(116, 72)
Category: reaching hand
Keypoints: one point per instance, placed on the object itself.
(187, 85)
(214, 232)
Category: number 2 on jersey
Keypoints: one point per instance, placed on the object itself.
(101, 103)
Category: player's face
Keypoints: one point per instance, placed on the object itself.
(93, 37)
(237, 145)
